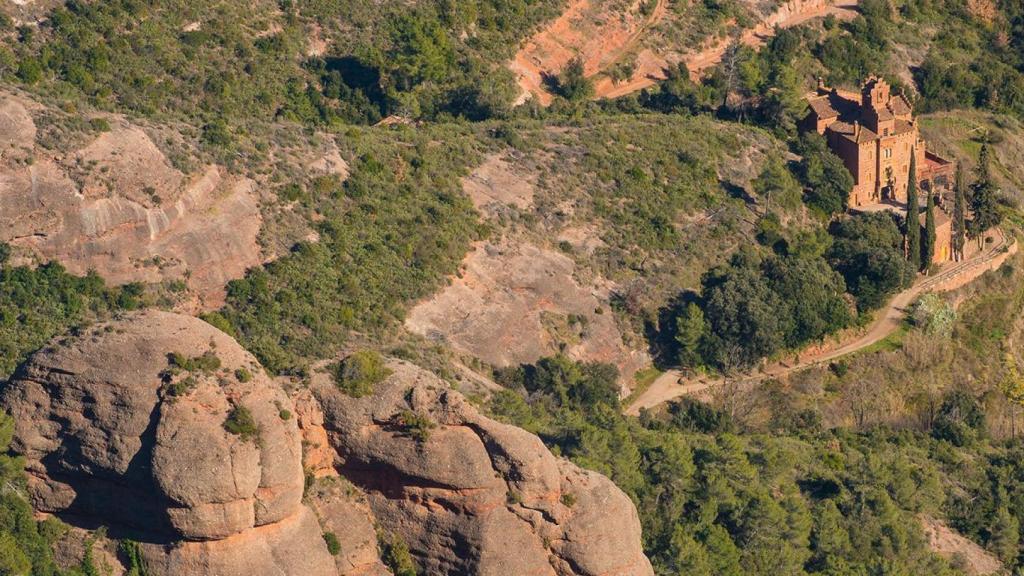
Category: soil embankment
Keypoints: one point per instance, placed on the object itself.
(605, 40)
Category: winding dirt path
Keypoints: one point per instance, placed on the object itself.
(603, 45)
(651, 68)
(673, 383)
(600, 40)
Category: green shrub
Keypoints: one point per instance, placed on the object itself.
(572, 84)
(207, 363)
(333, 545)
(39, 303)
(26, 545)
(290, 192)
(99, 124)
(357, 374)
(416, 426)
(241, 423)
(243, 375)
(218, 321)
(183, 386)
(131, 554)
(395, 554)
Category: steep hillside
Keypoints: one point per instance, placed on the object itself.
(960, 135)
(307, 288)
(627, 47)
(163, 429)
(596, 227)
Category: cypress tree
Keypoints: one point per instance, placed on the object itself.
(983, 199)
(913, 231)
(959, 214)
(928, 240)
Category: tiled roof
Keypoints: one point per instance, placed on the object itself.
(847, 131)
(832, 105)
(899, 105)
(902, 126)
(884, 114)
(822, 108)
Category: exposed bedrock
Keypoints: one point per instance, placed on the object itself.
(165, 430)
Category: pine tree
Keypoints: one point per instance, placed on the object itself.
(959, 214)
(913, 231)
(1005, 535)
(928, 240)
(689, 331)
(983, 199)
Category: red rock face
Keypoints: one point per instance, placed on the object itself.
(474, 496)
(112, 437)
(116, 205)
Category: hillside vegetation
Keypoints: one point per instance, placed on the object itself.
(693, 213)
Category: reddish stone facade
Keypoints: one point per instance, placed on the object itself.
(943, 236)
(875, 134)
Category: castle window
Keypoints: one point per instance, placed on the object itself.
(887, 153)
(885, 132)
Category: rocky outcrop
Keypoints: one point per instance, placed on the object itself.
(514, 303)
(117, 434)
(114, 203)
(470, 495)
(164, 429)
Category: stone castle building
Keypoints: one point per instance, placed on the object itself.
(875, 134)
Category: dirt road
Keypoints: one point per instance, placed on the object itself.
(672, 384)
(603, 46)
(600, 40)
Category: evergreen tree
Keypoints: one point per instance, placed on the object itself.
(1005, 535)
(913, 231)
(983, 199)
(928, 240)
(959, 214)
(573, 83)
(690, 330)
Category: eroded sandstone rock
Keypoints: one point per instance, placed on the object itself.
(470, 495)
(515, 303)
(123, 425)
(110, 435)
(116, 204)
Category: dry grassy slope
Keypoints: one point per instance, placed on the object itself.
(958, 134)
(566, 243)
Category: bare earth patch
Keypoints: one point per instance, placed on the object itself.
(17, 130)
(330, 163)
(605, 38)
(125, 160)
(948, 544)
(496, 184)
(516, 303)
(586, 29)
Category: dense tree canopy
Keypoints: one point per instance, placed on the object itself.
(797, 501)
(868, 252)
(827, 179)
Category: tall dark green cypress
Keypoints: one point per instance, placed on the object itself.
(959, 214)
(928, 240)
(913, 225)
(983, 199)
